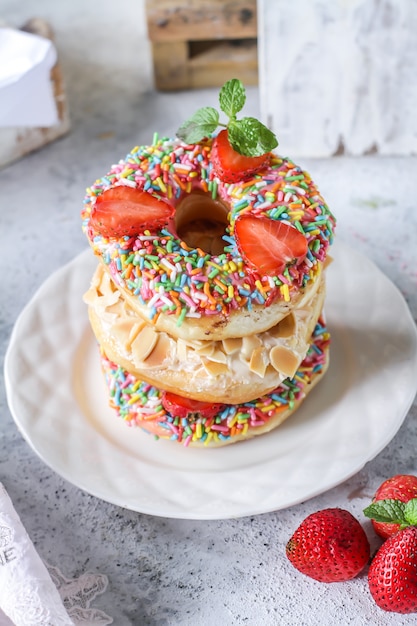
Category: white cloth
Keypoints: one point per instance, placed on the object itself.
(30, 595)
(27, 594)
(26, 93)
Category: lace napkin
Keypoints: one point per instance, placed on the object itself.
(30, 595)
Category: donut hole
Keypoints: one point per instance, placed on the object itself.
(201, 222)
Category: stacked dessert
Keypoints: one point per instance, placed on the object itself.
(207, 301)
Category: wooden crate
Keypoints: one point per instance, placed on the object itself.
(17, 142)
(202, 43)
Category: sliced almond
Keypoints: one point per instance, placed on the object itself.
(121, 332)
(134, 331)
(196, 344)
(284, 360)
(258, 362)
(160, 354)
(231, 345)
(105, 284)
(213, 368)
(249, 344)
(114, 309)
(110, 298)
(143, 344)
(181, 350)
(205, 350)
(217, 355)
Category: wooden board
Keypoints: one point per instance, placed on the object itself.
(200, 19)
(202, 43)
(17, 142)
(178, 65)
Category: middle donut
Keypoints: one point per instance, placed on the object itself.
(231, 370)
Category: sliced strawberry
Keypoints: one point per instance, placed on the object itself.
(128, 211)
(269, 245)
(229, 165)
(178, 406)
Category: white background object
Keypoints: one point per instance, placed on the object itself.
(27, 594)
(339, 76)
(26, 96)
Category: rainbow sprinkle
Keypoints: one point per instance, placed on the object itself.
(139, 403)
(169, 277)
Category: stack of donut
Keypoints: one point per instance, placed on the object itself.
(207, 301)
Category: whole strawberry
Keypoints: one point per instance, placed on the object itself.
(329, 546)
(392, 574)
(402, 488)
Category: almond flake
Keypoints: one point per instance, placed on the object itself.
(231, 345)
(258, 362)
(249, 344)
(284, 361)
(144, 343)
(218, 356)
(213, 368)
(159, 354)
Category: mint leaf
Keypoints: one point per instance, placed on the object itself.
(410, 512)
(259, 134)
(200, 125)
(250, 137)
(391, 511)
(232, 97)
(267, 138)
(247, 136)
(238, 139)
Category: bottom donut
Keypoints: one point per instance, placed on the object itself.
(141, 404)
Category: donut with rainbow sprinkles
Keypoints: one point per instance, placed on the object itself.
(215, 248)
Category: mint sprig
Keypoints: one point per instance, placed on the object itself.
(393, 512)
(248, 136)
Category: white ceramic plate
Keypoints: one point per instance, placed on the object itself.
(59, 402)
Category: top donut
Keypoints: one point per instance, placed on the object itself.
(203, 240)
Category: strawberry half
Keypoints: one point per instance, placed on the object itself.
(269, 245)
(178, 406)
(122, 210)
(329, 546)
(229, 165)
(392, 575)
